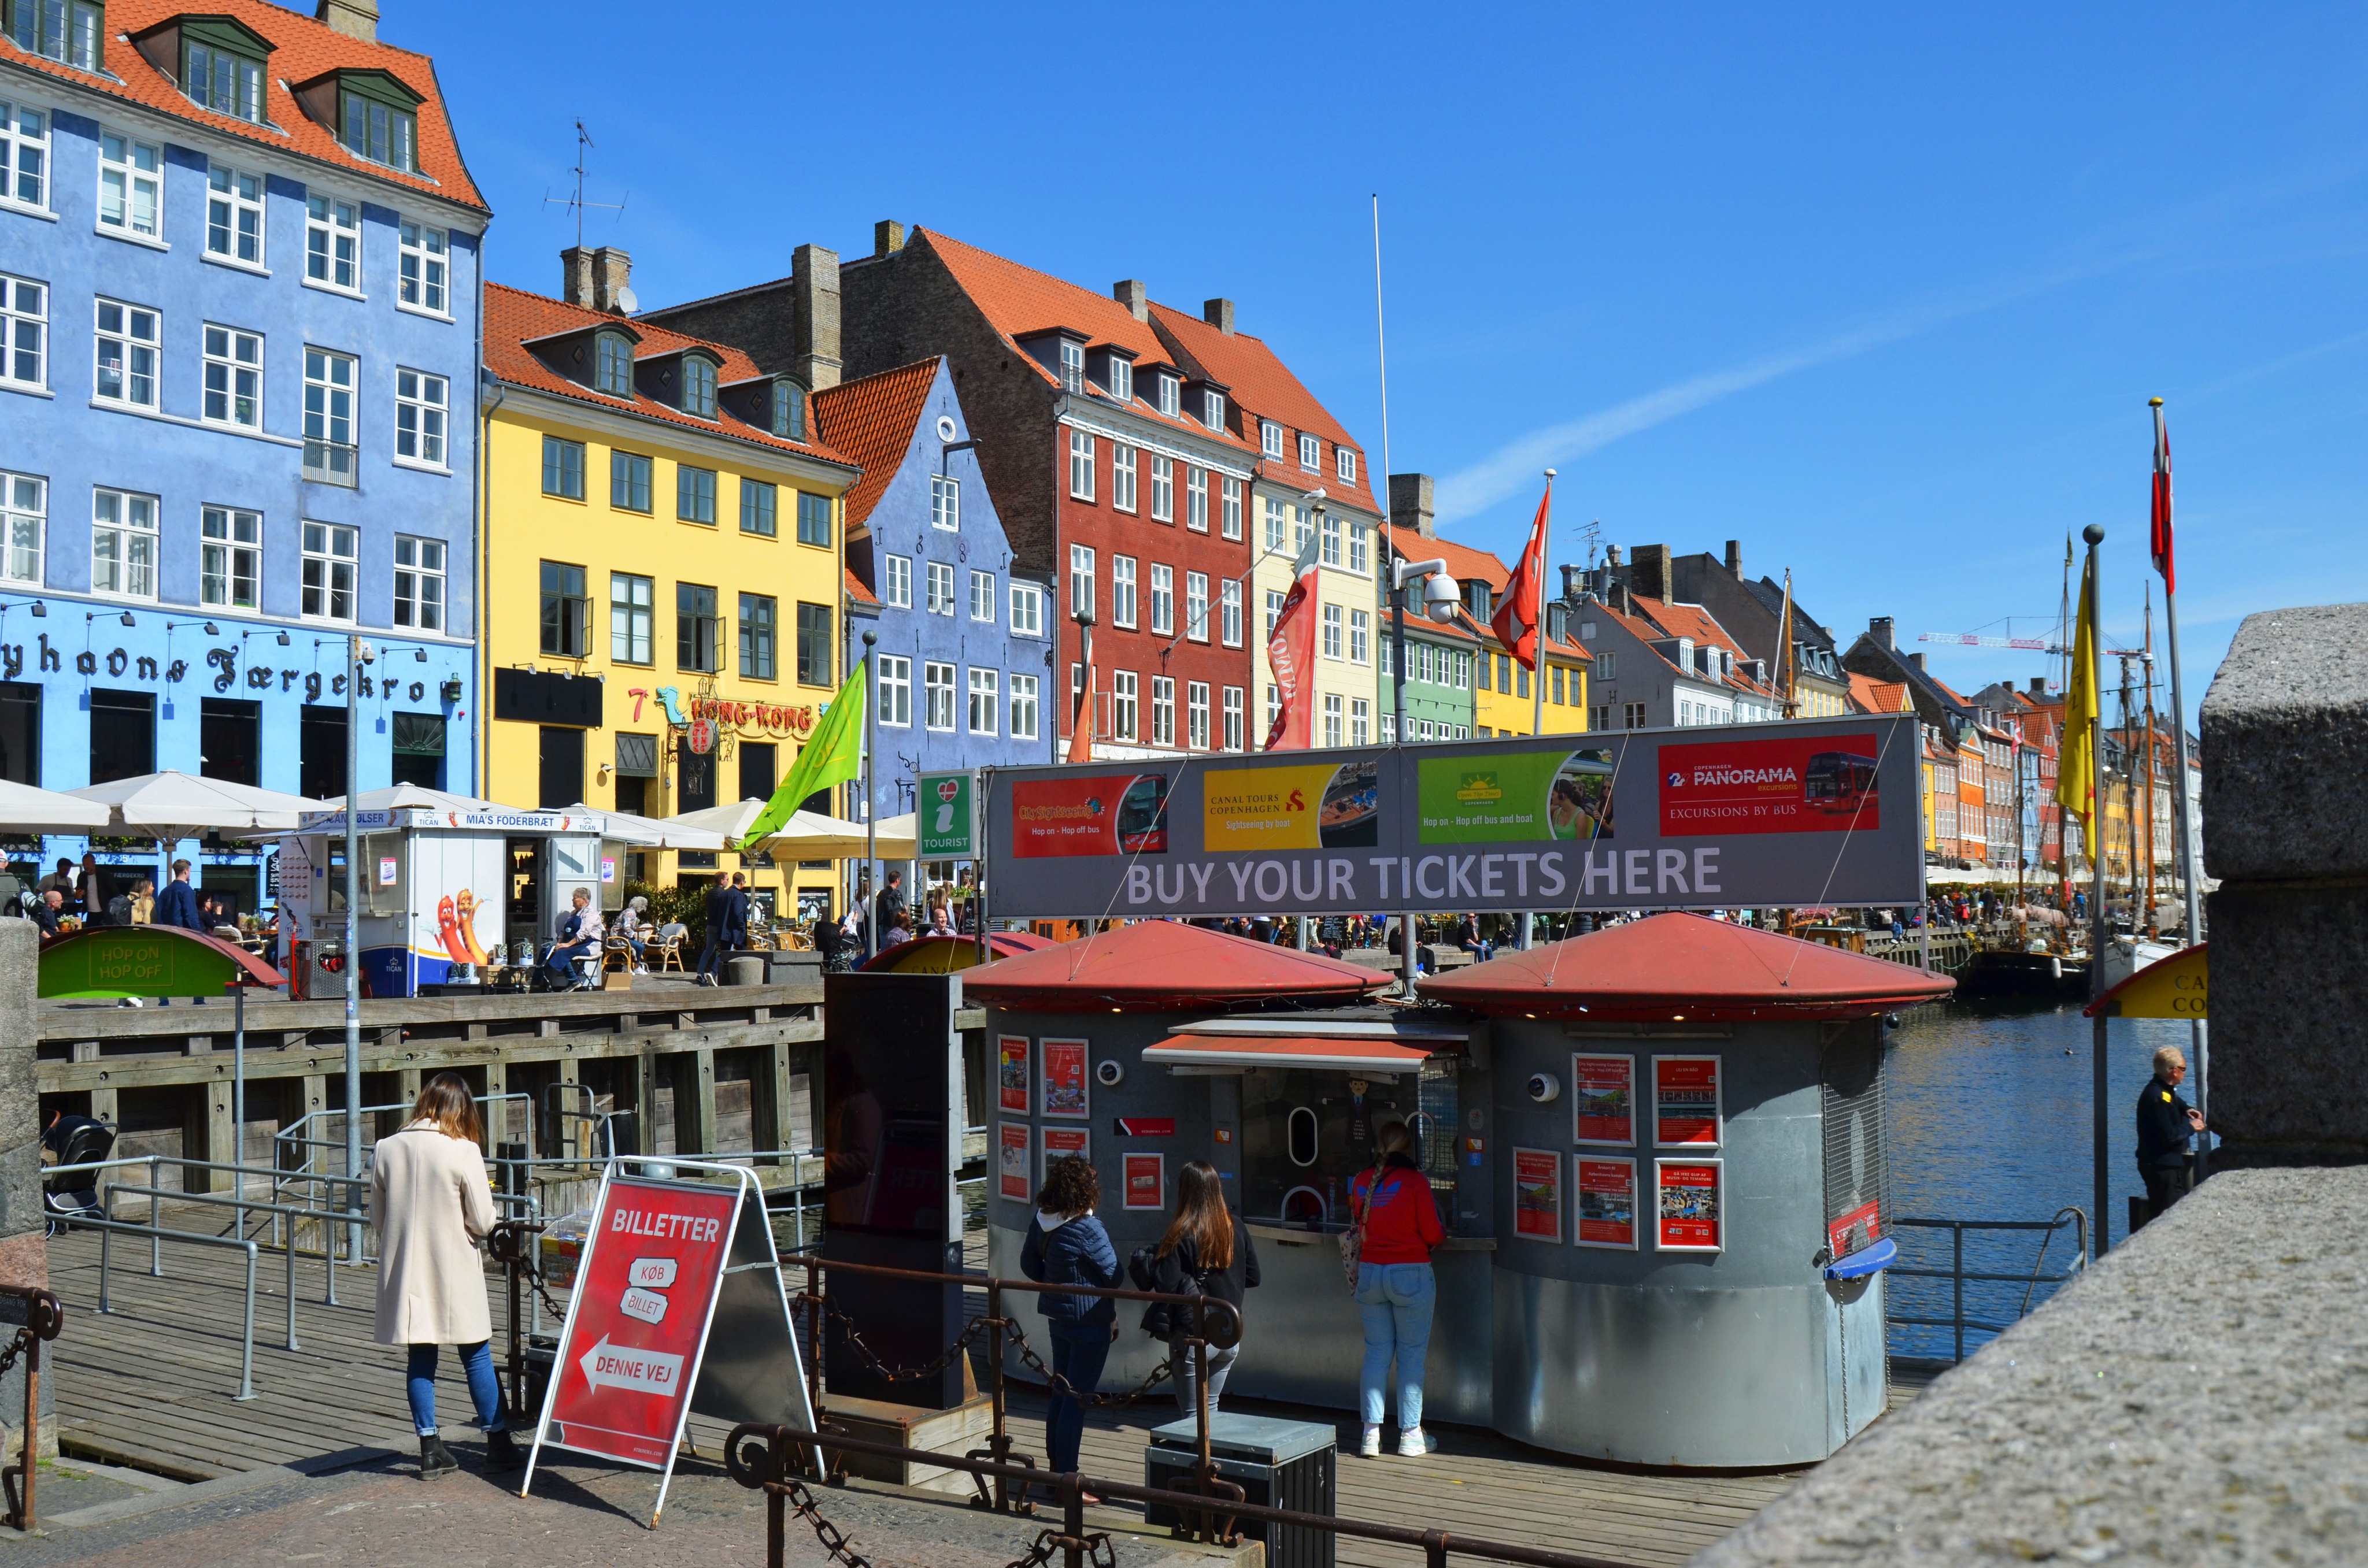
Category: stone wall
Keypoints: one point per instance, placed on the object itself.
(24, 1252)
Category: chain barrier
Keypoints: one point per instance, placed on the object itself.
(1054, 1383)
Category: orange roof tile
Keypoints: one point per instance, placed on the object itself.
(1875, 696)
(1686, 621)
(872, 422)
(1261, 385)
(302, 50)
(514, 318)
(856, 590)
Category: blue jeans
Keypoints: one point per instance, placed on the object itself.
(711, 957)
(1079, 1351)
(1395, 1300)
(562, 963)
(477, 1361)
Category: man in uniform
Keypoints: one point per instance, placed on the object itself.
(2166, 1124)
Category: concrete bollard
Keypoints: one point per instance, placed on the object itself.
(744, 971)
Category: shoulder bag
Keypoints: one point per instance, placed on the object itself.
(1352, 1240)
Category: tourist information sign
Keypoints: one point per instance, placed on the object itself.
(667, 1263)
(945, 822)
(1760, 815)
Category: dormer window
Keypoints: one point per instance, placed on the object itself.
(1345, 464)
(374, 115)
(1213, 410)
(1170, 391)
(223, 82)
(699, 386)
(68, 32)
(790, 410)
(1311, 453)
(1121, 378)
(1073, 365)
(1271, 437)
(613, 371)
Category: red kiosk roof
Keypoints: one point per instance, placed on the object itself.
(1163, 966)
(1680, 967)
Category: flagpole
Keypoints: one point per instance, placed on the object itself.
(871, 799)
(2190, 870)
(1537, 670)
(2098, 1087)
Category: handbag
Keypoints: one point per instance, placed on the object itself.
(1352, 1240)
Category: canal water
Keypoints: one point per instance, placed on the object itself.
(1989, 1109)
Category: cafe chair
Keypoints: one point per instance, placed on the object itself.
(666, 947)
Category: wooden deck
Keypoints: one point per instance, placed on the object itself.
(150, 1386)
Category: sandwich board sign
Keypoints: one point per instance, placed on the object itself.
(679, 1306)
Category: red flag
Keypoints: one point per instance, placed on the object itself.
(1292, 653)
(1515, 621)
(1081, 727)
(2162, 558)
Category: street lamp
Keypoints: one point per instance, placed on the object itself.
(1441, 598)
(358, 653)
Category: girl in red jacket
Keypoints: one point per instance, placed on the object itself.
(1395, 1292)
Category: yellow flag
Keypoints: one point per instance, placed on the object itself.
(2076, 777)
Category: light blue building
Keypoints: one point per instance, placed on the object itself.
(965, 655)
(239, 286)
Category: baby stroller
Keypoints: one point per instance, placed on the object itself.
(73, 1195)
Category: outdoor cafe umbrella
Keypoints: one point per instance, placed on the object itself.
(651, 832)
(810, 835)
(24, 809)
(173, 806)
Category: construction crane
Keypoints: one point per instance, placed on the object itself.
(1967, 639)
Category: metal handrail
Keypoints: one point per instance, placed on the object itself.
(328, 1262)
(107, 1229)
(1958, 1274)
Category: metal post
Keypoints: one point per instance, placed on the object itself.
(238, 1092)
(155, 1222)
(870, 795)
(2098, 930)
(353, 943)
(247, 1341)
(2190, 867)
(1957, 1285)
(1397, 738)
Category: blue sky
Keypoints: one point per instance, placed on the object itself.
(1881, 293)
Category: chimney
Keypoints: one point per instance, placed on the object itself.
(1611, 557)
(1649, 575)
(1880, 630)
(611, 270)
(813, 317)
(575, 276)
(1135, 295)
(1574, 582)
(355, 18)
(887, 237)
(1219, 313)
(1735, 558)
(2039, 686)
(1618, 598)
(1916, 660)
(1410, 504)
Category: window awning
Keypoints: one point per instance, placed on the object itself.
(1333, 1051)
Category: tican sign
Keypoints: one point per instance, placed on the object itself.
(1760, 815)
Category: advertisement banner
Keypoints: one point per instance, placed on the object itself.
(1066, 1092)
(1537, 1194)
(1690, 1209)
(644, 1292)
(1634, 819)
(1147, 1181)
(1863, 1226)
(1607, 1202)
(1011, 1161)
(1685, 1101)
(946, 823)
(1011, 1073)
(1793, 784)
(1603, 1099)
(1060, 1143)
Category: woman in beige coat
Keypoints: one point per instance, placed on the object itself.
(432, 1205)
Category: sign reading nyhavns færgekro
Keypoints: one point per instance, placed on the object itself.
(1802, 812)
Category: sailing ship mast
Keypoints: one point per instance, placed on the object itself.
(2147, 663)
(2063, 641)
(1791, 665)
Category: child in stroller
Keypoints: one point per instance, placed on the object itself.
(71, 1140)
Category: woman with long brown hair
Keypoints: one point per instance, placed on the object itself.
(432, 1205)
(1206, 1252)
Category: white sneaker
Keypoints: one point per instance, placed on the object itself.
(1371, 1447)
(1412, 1442)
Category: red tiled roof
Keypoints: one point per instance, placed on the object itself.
(1875, 696)
(1164, 966)
(1464, 564)
(1692, 621)
(1017, 300)
(514, 317)
(856, 590)
(1262, 385)
(872, 422)
(302, 50)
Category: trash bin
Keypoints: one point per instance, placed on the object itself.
(1278, 1464)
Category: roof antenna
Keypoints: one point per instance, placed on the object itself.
(576, 203)
(1592, 535)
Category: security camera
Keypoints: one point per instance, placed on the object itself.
(1444, 598)
(1544, 1087)
(366, 653)
(1110, 1074)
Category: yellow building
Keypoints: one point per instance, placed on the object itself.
(1505, 704)
(661, 546)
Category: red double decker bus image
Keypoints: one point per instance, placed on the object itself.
(1838, 783)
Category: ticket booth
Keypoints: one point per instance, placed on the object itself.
(1689, 1196)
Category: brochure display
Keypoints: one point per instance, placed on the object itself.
(1607, 1202)
(664, 1262)
(1691, 1212)
(1066, 1092)
(1146, 1183)
(1685, 1110)
(1011, 1073)
(1537, 1194)
(1603, 1099)
(1011, 1161)
(1060, 1143)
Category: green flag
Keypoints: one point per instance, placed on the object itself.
(832, 755)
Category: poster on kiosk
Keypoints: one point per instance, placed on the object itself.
(678, 1305)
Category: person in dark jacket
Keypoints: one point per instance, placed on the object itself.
(1206, 1252)
(2167, 1124)
(1068, 1245)
(1395, 1292)
(177, 906)
(728, 927)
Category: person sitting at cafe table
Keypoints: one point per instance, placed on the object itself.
(579, 933)
(43, 910)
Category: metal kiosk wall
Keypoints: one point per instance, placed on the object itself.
(1690, 1202)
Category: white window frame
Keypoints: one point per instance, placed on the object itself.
(1081, 465)
(125, 181)
(1073, 365)
(1163, 489)
(896, 582)
(323, 418)
(17, 145)
(1125, 711)
(1170, 393)
(123, 532)
(1332, 717)
(1163, 711)
(986, 700)
(24, 527)
(1196, 498)
(1196, 606)
(1276, 535)
(938, 693)
(24, 330)
(1274, 705)
(1081, 581)
(1122, 465)
(1026, 611)
(1333, 554)
(1273, 613)
(945, 503)
(1269, 438)
(1213, 410)
(1233, 714)
(1026, 706)
(422, 565)
(323, 563)
(982, 596)
(423, 403)
(230, 552)
(1229, 618)
(233, 373)
(1333, 640)
(1361, 636)
(242, 214)
(1121, 378)
(1311, 453)
(423, 270)
(1122, 595)
(895, 683)
(1344, 463)
(1196, 715)
(1360, 547)
(333, 243)
(1162, 599)
(1360, 722)
(940, 587)
(137, 355)
(633, 618)
(1232, 504)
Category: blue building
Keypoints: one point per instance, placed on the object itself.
(965, 655)
(239, 288)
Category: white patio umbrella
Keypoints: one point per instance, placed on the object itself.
(173, 806)
(24, 809)
(651, 832)
(810, 835)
